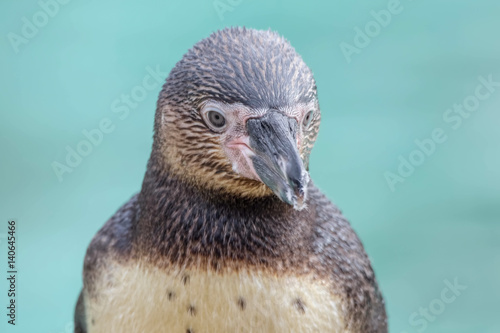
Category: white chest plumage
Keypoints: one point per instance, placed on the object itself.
(138, 298)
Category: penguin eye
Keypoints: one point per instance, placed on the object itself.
(307, 119)
(215, 119)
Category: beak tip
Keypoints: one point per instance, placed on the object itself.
(299, 203)
(297, 195)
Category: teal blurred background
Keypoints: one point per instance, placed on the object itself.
(441, 223)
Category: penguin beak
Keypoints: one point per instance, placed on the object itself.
(276, 158)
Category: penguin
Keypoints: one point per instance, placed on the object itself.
(228, 232)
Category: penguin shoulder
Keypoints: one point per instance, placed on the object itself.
(113, 242)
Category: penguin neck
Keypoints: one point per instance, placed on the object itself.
(181, 222)
(161, 176)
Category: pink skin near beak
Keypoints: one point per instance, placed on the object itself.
(239, 152)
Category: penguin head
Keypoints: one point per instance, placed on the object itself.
(239, 114)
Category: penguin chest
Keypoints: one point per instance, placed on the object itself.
(137, 298)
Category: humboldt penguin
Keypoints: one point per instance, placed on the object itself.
(228, 233)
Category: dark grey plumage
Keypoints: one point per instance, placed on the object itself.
(262, 70)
